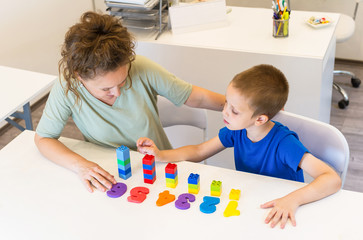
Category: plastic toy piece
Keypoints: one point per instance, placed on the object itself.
(182, 202)
(171, 175)
(148, 165)
(123, 162)
(193, 183)
(209, 204)
(165, 198)
(117, 190)
(171, 168)
(138, 194)
(216, 188)
(235, 194)
(231, 209)
(193, 178)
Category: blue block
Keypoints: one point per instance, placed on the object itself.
(148, 167)
(125, 176)
(171, 176)
(124, 167)
(124, 172)
(149, 176)
(123, 153)
(193, 178)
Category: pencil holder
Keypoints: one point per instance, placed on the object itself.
(280, 27)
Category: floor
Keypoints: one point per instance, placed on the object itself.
(349, 121)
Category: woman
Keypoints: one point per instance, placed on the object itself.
(111, 95)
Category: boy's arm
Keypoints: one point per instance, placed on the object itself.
(203, 98)
(193, 153)
(326, 182)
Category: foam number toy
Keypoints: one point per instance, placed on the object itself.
(231, 209)
(165, 198)
(183, 201)
(209, 204)
(117, 190)
(138, 194)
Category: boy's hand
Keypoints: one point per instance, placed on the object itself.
(282, 209)
(147, 146)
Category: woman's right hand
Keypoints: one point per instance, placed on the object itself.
(93, 176)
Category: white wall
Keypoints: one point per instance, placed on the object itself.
(351, 49)
(32, 31)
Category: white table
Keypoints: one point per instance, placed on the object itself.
(212, 57)
(18, 88)
(40, 200)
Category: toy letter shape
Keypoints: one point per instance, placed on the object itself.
(117, 190)
(138, 194)
(231, 209)
(209, 204)
(182, 202)
(165, 198)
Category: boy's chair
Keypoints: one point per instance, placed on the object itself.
(323, 141)
(171, 115)
(345, 30)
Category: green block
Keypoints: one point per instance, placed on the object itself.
(123, 163)
(193, 186)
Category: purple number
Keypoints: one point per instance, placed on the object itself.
(117, 190)
(182, 202)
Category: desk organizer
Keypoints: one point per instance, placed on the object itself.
(153, 15)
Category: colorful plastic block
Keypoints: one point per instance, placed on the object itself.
(235, 194)
(123, 153)
(123, 162)
(148, 165)
(171, 168)
(193, 178)
(171, 175)
(216, 188)
(148, 159)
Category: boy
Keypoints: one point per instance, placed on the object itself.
(261, 146)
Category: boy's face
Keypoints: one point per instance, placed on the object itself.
(237, 114)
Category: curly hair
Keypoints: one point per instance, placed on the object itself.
(96, 45)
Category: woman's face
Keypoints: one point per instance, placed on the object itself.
(106, 87)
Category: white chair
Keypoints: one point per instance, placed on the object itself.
(345, 30)
(323, 140)
(171, 115)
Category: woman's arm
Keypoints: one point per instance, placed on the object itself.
(203, 98)
(89, 172)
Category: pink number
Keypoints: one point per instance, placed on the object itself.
(138, 194)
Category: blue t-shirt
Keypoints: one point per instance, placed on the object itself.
(278, 154)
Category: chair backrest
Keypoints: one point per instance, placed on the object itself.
(323, 140)
(346, 25)
(171, 115)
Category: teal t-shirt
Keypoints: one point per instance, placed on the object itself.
(133, 115)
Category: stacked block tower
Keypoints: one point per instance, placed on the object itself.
(148, 165)
(193, 183)
(216, 188)
(171, 175)
(123, 162)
